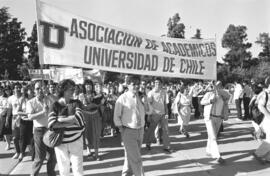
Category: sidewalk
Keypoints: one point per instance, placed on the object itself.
(7, 164)
(235, 144)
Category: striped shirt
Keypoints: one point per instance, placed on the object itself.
(71, 132)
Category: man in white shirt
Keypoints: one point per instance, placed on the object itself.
(238, 97)
(129, 116)
(37, 109)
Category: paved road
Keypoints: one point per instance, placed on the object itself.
(235, 144)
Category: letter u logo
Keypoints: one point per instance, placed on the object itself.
(47, 34)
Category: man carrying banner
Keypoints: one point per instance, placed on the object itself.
(129, 118)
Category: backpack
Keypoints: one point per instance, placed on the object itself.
(256, 115)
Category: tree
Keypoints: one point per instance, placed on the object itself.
(12, 44)
(23, 71)
(235, 39)
(175, 28)
(33, 57)
(264, 41)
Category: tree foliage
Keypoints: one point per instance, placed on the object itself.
(12, 44)
(175, 28)
(33, 57)
(235, 39)
(264, 41)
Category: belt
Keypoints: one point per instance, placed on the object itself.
(40, 128)
(132, 128)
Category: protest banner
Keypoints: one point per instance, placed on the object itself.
(94, 75)
(75, 74)
(36, 74)
(70, 40)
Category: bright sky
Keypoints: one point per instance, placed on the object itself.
(151, 16)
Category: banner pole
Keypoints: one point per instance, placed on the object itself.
(37, 2)
(216, 54)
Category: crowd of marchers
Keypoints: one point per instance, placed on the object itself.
(136, 109)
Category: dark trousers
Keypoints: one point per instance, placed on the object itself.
(195, 103)
(246, 101)
(40, 154)
(16, 137)
(26, 134)
(238, 103)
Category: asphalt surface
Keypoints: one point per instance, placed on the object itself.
(189, 159)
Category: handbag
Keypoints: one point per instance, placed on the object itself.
(53, 137)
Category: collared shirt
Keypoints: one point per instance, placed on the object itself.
(212, 109)
(157, 100)
(125, 111)
(238, 91)
(34, 106)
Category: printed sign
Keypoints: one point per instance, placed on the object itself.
(70, 40)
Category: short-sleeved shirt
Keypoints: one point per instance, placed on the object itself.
(14, 103)
(238, 92)
(158, 100)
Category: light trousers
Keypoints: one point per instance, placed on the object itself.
(264, 149)
(132, 139)
(154, 120)
(70, 153)
(212, 125)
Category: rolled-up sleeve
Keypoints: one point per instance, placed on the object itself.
(117, 117)
(206, 99)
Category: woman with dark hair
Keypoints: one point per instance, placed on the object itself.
(92, 119)
(67, 113)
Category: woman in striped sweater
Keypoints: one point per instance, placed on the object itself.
(66, 113)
